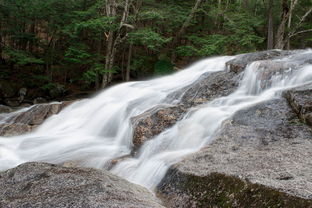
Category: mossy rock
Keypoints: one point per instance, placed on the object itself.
(220, 190)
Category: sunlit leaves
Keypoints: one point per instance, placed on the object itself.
(148, 38)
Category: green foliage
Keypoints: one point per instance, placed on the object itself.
(142, 65)
(89, 76)
(66, 41)
(147, 37)
(21, 57)
(215, 45)
(48, 86)
(210, 44)
(152, 15)
(186, 51)
(96, 25)
(41, 78)
(243, 35)
(77, 54)
(163, 67)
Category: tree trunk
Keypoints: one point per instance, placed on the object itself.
(288, 27)
(110, 12)
(129, 63)
(270, 25)
(98, 48)
(123, 73)
(292, 7)
(113, 40)
(281, 37)
(108, 60)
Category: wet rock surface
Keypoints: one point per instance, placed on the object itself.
(5, 109)
(155, 121)
(213, 85)
(207, 87)
(25, 120)
(241, 61)
(210, 86)
(46, 185)
(15, 129)
(221, 190)
(300, 99)
(260, 158)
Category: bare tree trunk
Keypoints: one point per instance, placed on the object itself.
(289, 22)
(114, 40)
(129, 63)
(108, 60)
(123, 72)
(281, 29)
(270, 25)
(281, 38)
(98, 48)
(110, 12)
(136, 8)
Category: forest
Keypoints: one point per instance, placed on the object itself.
(156, 103)
(56, 47)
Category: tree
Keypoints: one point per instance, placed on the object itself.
(86, 44)
(270, 39)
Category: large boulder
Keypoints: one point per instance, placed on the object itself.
(238, 64)
(28, 119)
(46, 185)
(15, 129)
(210, 86)
(5, 109)
(260, 158)
(154, 121)
(300, 99)
(36, 114)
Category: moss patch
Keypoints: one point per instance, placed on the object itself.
(219, 190)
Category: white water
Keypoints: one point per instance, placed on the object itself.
(94, 131)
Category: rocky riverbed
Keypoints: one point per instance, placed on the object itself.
(260, 157)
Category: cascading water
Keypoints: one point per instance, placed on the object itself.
(201, 123)
(92, 132)
(96, 130)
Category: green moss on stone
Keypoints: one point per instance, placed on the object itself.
(219, 190)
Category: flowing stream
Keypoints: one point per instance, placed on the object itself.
(91, 132)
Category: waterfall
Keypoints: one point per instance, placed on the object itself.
(94, 131)
(198, 126)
